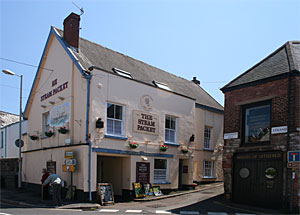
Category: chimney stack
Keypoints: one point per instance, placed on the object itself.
(196, 81)
(71, 30)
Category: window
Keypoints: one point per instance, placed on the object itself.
(2, 139)
(207, 137)
(115, 119)
(170, 129)
(256, 123)
(46, 122)
(122, 73)
(208, 169)
(160, 171)
(161, 85)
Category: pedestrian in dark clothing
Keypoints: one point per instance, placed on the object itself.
(56, 182)
(45, 188)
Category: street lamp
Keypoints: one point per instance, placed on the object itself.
(8, 72)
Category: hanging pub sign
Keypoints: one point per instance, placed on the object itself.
(60, 115)
(143, 172)
(145, 123)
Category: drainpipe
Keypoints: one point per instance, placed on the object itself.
(88, 78)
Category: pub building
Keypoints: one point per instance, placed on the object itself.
(103, 117)
(261, 128)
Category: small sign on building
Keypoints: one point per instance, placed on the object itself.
(279, 130)
(228, 136)
(293, 159)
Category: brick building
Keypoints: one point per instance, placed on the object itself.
(261, 124)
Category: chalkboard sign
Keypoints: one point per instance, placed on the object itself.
(138, 190)
(105, 193)
(157, 191)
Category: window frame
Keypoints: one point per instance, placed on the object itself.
(169, 129)
(114, 119)
(210, 137)
(212, 169)
(161, 181)
(46, 125)
(254, 105)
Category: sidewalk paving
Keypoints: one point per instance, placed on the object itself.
(30, 198)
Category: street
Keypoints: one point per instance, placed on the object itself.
(208, 201)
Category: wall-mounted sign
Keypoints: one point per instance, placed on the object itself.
(228, 136)
(51, 166)
(54, 90)
(146, 102)
(279, 130)
(69, 154)
(143, 172)
(60, 115)
(145, 122)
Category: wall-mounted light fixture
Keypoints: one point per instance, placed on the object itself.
(99, 123)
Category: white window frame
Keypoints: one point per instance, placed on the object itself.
(160, 176)
(46, 122)
(208, 167)
(208, 137)
(113, 119)
(169, 129)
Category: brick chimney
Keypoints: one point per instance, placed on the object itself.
(71, 29)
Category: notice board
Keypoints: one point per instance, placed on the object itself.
(143, 172)
(105, 193)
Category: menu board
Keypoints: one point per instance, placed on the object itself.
(51, 166)
(142, 172)
(138, 190)
(105, 193)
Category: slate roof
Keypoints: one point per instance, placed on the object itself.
(283, 60)
(8, 118)
(92, 54)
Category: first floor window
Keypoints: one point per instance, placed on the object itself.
(208, 169)
(46, 122)
(115, 119)
(160, 171)
(171, 129)
(256, 123)
(207, 137)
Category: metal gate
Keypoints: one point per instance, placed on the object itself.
(258, 178)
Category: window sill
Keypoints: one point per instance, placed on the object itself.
(166, 182)
(209, 177)
(171, 144)
(209, 150)
(115, 137)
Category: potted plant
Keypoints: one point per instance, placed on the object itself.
(33, 137)
(49, 133)
(63, 130)
(184, 149)
(163, 148)
(133, 145)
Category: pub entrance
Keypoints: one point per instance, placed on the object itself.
(258, 178)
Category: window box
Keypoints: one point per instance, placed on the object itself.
(163, 148)
(133, 145)
(49, 133)
(33, 137)
(63, 130)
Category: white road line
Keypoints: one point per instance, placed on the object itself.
(133, 211)
(162, 212)
(108, 210)
(217, 213)
(4, 214)
(189, 212)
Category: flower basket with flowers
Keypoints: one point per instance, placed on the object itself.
(163, 148)
(33, 137)
(133, 145)
(49, 133)
(63, 130)
(184, 149)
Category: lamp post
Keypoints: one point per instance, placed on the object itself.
(8, 72)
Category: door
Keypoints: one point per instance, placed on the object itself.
(180, 175)
(258, 178)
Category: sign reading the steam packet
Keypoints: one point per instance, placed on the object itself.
(105, 193)
(60, 115)
(145, 122)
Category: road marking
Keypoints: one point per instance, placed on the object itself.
(133, 211)
(109, 210)
(162, 212)
(190, 212)
(4, 214)
(217, 213)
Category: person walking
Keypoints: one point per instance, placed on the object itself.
(56, 182)
(45, 189)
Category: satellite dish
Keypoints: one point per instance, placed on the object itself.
(17, 143)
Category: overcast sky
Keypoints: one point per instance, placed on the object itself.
(213, 40)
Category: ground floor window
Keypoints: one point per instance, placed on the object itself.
(160, 171)
(208, 169)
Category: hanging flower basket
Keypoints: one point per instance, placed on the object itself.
(163, 148)
(184, 151)
(63, 130)
(133, 145)
(33, 137)
(49, 133)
